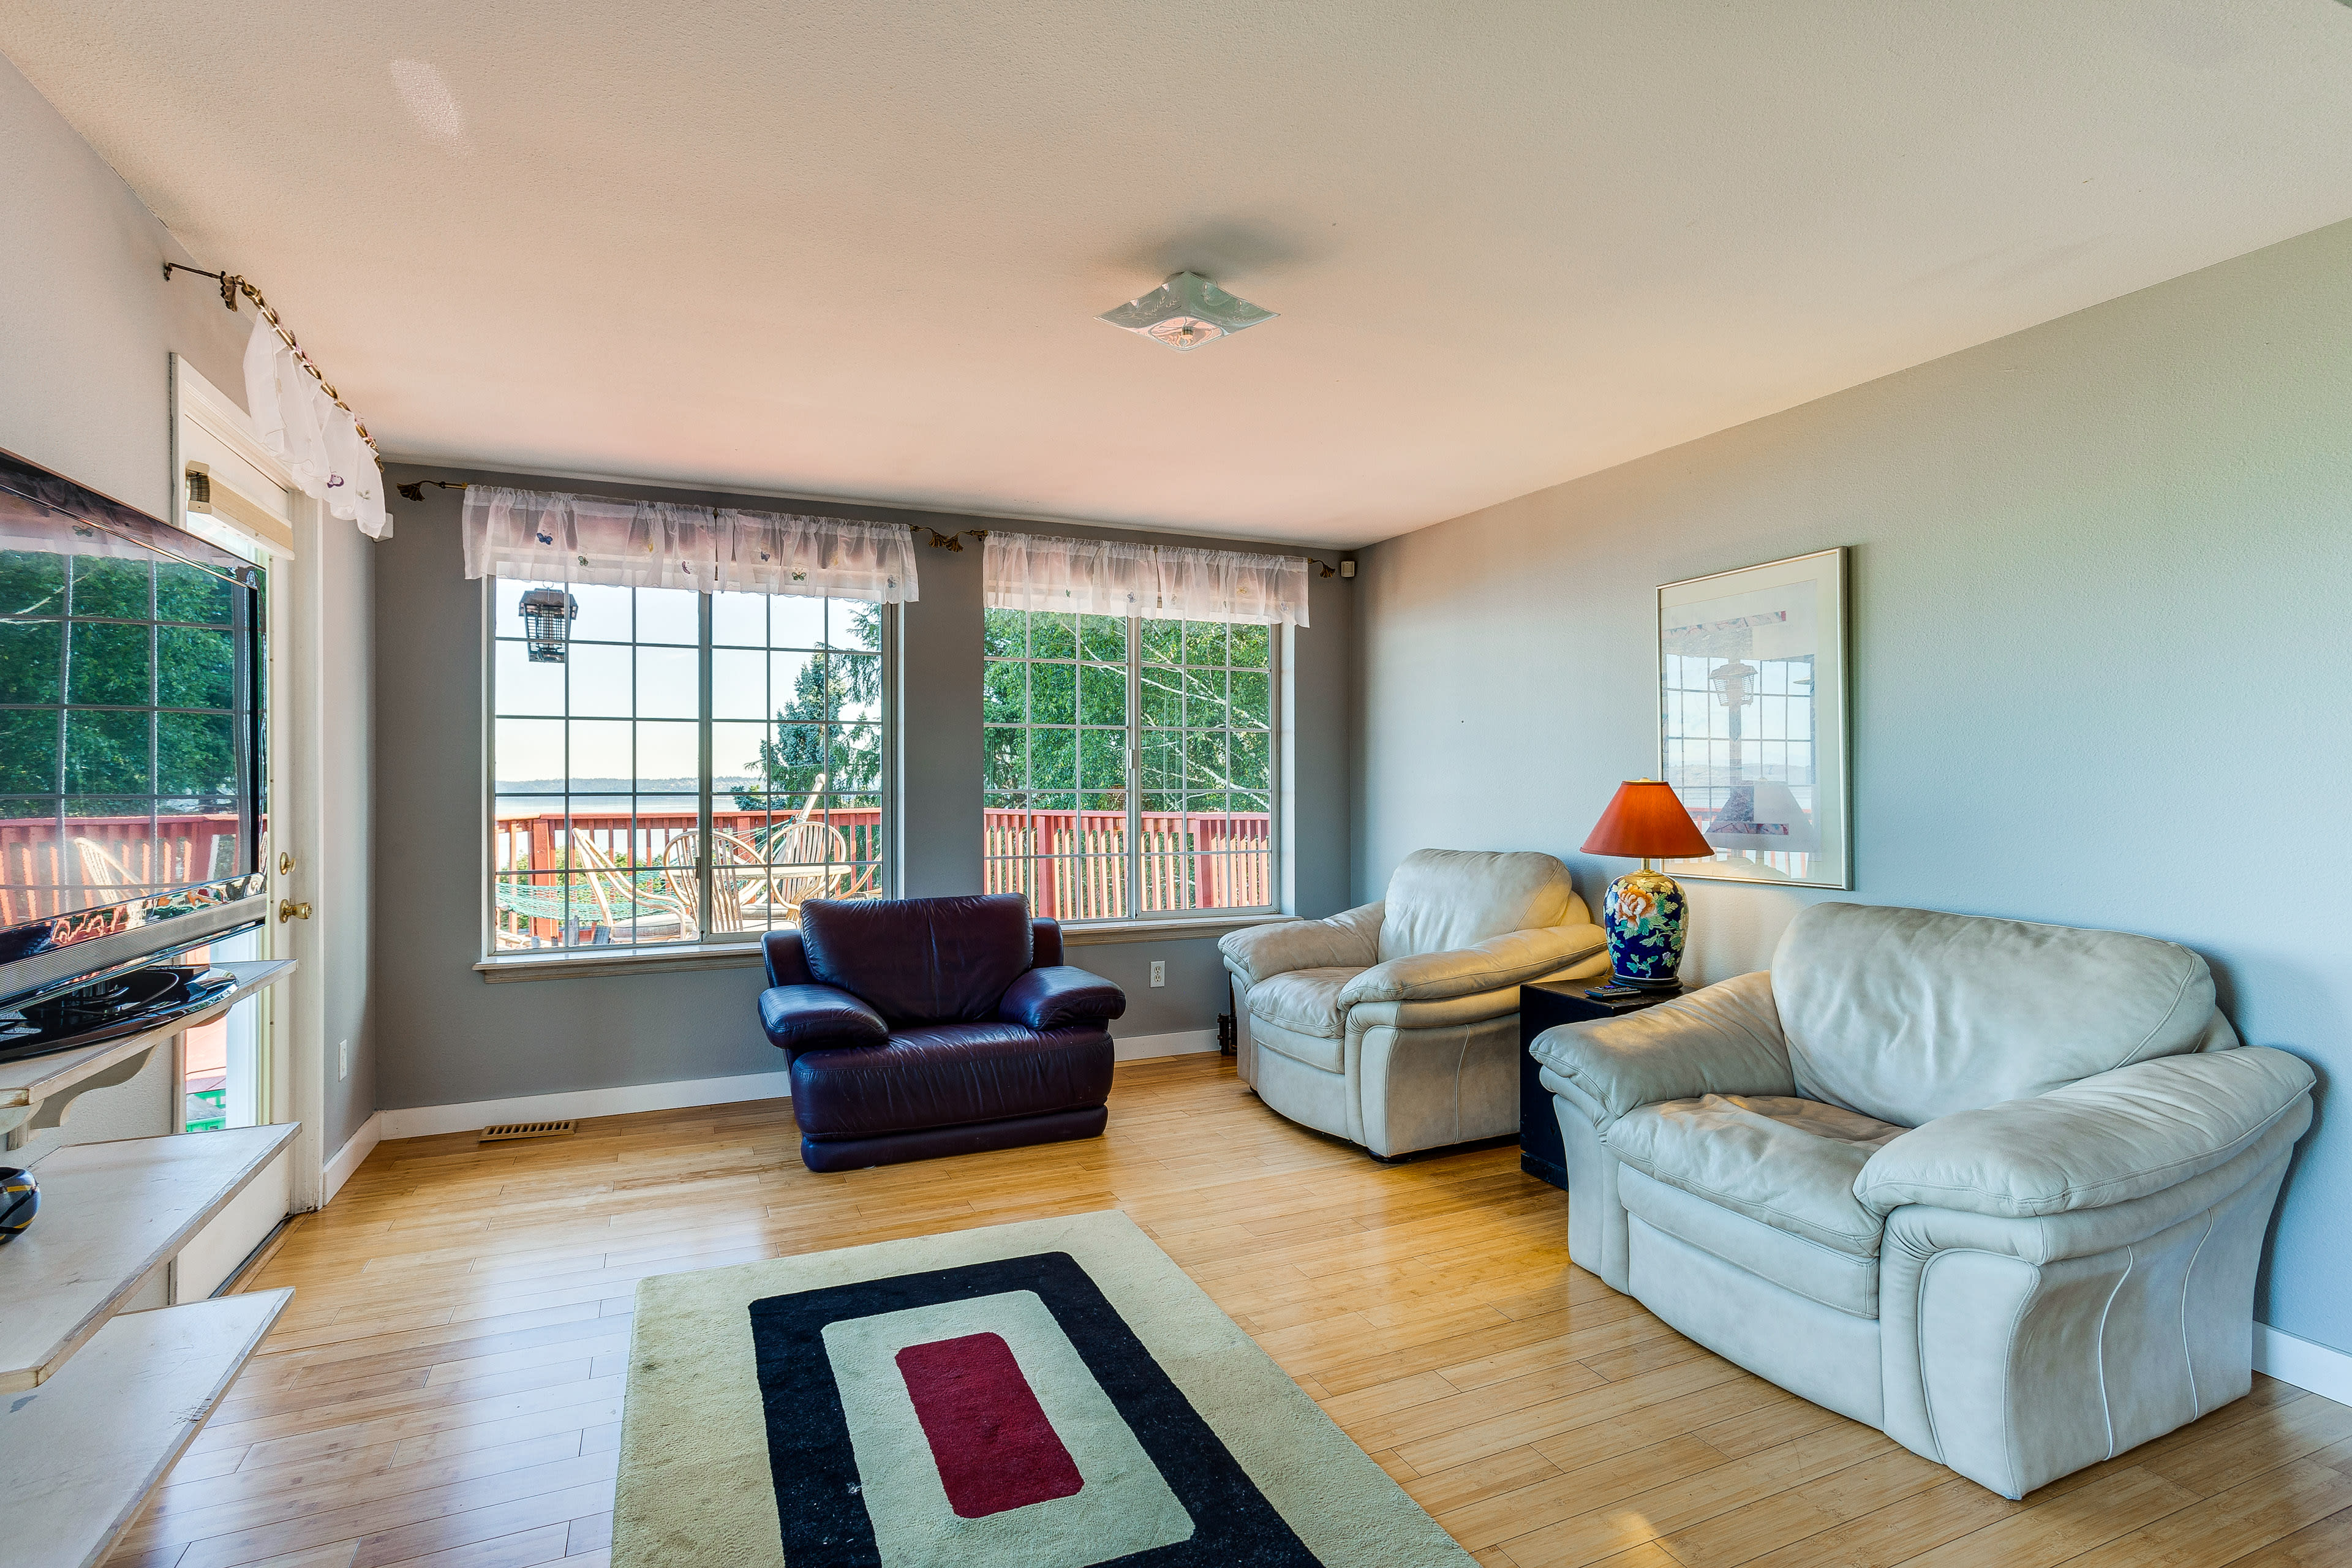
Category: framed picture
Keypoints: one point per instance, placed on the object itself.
(1752, 721)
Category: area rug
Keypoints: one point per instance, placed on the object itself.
(1050, 1395)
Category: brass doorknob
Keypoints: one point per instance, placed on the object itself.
(288, 909)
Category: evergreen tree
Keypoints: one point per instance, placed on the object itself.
(123, 667)
(810, 742)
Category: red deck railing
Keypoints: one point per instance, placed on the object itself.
(536, 843)
(106, 859)
(845, 852)
(1071, 865)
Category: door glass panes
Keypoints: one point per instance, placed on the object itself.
(220, 1062)
(603, 766)
(1071, 703)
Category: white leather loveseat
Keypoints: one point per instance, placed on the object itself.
(1395, 1025)
(1997, 1189)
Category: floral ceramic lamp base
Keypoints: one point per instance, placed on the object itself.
(1643, 912)
(1643, 915)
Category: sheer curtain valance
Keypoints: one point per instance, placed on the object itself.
(1156, 582)
(316, 438)
(550, 537)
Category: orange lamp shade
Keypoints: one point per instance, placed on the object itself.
(1645, 822)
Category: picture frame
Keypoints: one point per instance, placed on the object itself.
(1754, 722)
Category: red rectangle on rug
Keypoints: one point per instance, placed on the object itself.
(994, 1448)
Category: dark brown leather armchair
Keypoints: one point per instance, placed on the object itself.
(924, 1026)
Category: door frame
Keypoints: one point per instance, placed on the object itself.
(294, 1086)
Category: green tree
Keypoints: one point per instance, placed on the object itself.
(143, 658)
(813, 738)
(1055, 703)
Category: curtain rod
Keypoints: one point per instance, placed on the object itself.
(414, 491)
(231, 286)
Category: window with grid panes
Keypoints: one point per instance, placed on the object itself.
(1734, 727)
(1130, 764)
(130, 746)
(698, 767)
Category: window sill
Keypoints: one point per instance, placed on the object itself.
(592, 961)
(1104, 932)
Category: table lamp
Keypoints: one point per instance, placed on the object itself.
(1643, 912)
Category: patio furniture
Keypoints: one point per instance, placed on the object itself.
(739, 882)
(601, 893)
(806, 859)
(99, 870)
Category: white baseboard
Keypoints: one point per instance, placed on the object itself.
(425, 1121)
(350, 1157)
(2323, 1370)
(1184, 1043)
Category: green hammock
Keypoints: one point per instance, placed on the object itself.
(546, 903)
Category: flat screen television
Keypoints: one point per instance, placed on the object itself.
(131, 736)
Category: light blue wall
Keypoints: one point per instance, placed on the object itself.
(2101, 667)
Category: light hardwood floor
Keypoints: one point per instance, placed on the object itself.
(445, 1387)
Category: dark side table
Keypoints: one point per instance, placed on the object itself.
(1547, 1004)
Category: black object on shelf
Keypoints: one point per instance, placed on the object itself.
(20, 1200)
(1547, 1004)
(109, 1007)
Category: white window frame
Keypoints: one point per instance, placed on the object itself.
(1281, 791)
(720, 949)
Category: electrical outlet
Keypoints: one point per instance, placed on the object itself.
(1158, 972)
(343, 1061)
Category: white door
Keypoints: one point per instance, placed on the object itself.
(250, 1069)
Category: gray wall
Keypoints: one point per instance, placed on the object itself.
(88, 327)
(2100, 653)
(339, 881)
(449, 1037)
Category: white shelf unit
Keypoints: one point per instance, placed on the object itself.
(110, 1215)
(96, 1407)
(34, 1092)
(84, 1451)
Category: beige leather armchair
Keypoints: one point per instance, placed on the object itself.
(1395, 1026)
(1996, 1189)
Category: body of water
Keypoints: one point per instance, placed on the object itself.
(605, 796)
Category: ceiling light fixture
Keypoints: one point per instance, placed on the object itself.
(1185, 313)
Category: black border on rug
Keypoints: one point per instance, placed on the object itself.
(814, 1470)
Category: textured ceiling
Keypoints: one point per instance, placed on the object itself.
(855, 249)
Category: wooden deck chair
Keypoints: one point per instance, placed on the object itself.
(736, 878)
(101, 872)
(806, 859)
(623, 897)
